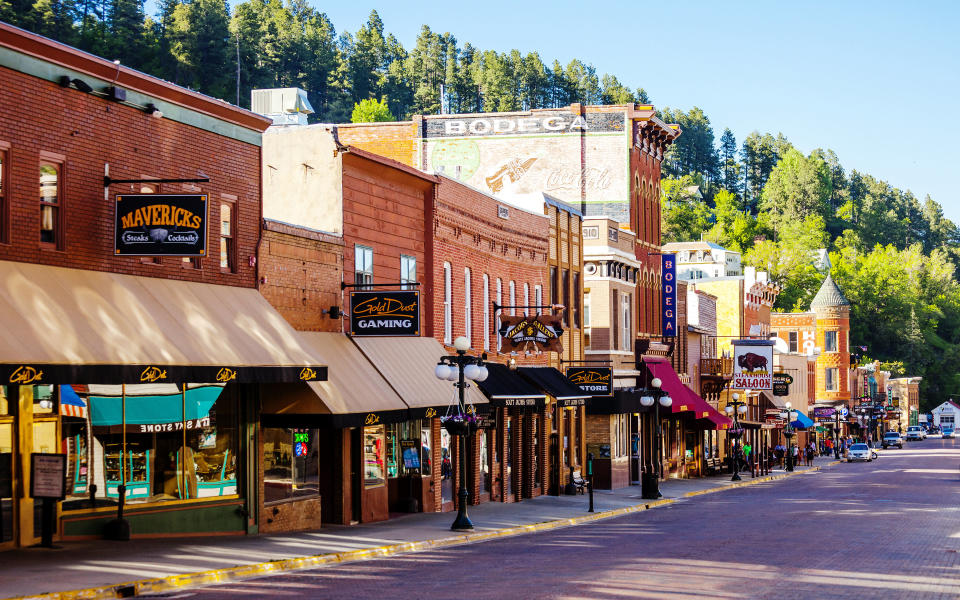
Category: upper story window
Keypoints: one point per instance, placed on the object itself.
(830, 379)
(51, 206)
(565, 282)
(830, 341)
(513, 297)
(447, 306)
(626, 336)
(228, 240)
(467, 306)
(500, 312)
(554, 286)
(586, 321)
(793, 341)
(486, 312)
(362, 266)
(408, 271)
(4, 212)
(526, 298)
(576, 300)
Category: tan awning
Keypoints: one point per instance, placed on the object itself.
(776, 401)
(408, 364)
(61, 325)
(355, 393)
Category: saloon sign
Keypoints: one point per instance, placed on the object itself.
(752, 365)
(160, 225)
(531, 333)
(594, 380)
(395, 313)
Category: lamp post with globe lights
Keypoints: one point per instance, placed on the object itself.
(458, 368)
(656, 398)
(734, 408)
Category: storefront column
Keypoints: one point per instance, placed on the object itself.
(249, 403)
(24, 394)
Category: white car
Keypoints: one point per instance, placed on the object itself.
(860, 452)
(915, 432)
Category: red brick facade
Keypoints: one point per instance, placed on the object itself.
(81, 132)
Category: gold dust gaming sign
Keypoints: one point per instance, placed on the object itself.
(385, 313)
(161, 225)
(593, 380)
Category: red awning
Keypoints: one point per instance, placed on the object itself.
(684, 399)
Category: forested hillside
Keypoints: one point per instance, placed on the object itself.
(893, 254)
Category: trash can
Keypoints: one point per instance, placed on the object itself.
(649, 486)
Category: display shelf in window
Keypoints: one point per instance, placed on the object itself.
(138, 476)
(216, 474)
(79, 467)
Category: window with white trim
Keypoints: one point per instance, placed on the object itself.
(829, 341)
(794, 340)
(513, 297)
(447, 305)
(408, 271)
(526, 298)
(830, 379)
(467, 306)
(500, 302)
(626, 337)
(362, 266)
(486, 312)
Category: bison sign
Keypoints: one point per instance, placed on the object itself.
(752, 365)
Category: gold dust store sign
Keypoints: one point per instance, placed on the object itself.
(394, 313)
(593, 380)
(161, 225)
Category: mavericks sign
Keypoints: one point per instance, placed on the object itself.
(395, 313)
(160, 225)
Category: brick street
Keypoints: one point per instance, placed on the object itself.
(889, 528)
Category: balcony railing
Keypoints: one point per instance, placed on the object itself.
(716, 366)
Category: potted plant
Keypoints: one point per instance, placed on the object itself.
(735, 433)
(460, 424)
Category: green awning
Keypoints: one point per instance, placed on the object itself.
(154, 409)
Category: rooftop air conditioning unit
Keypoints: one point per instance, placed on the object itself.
(285, 106)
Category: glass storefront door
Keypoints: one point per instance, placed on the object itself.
(7, 438)
(446, 467)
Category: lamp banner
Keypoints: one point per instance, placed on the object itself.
(823, 412)
(752, 365)
(393, 313)
(594, 380)
(668, 287)
(161, 225)
(542, 332)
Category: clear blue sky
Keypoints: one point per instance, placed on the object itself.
(876, 81)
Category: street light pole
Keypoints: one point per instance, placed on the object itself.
(734, 408)
(655, 398)
(459, 368)
(788, 433)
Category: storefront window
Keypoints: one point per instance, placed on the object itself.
(291, 460)
(393, 449)
(43, 400)
(426, 458)
(484, 474)
(162, 442)
(373, 456)
(446, 467)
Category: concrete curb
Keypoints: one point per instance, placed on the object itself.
(226, 575)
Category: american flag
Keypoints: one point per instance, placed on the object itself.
(72, 405)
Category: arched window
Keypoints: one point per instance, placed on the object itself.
(486, 312)
(526, 298)
(467, 306)
(513, 298)
(500, 302)
(447, 305)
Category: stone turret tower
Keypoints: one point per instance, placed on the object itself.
(832, 311)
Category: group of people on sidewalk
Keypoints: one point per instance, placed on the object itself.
(800, 453)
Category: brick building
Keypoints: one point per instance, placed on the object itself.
(130, 211)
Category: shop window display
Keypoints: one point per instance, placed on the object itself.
(408, 450)
(426, 458)
(6, 467)
(162, 442)
(291, 463)
(373, 456)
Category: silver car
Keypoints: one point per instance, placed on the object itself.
(860, 452)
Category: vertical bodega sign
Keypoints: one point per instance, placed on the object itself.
(668, 295)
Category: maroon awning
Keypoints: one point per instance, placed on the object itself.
(684, 399)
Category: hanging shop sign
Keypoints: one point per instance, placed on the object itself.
(531, 333)
(752, 365)
(668, 296)
(597, 381)
(160, 225)
(781, 384)
(48, 475)
(392, 313)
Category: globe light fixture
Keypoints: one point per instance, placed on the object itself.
(471, 371)
(656, 382)
(442, 371)
(666, 401)
(647, 401)
(461, 344)
(728, 409)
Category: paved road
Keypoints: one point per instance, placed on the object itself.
(887, 529)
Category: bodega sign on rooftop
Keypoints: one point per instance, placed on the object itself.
(668, 295)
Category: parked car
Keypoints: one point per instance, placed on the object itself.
(860, 452)
(947, 433)
(914, 433)
(892, 438)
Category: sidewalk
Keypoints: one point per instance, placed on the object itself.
(103, 569)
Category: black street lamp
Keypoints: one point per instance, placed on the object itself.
(458, 368)
(656, 398)
(734, 408)
(789, 433)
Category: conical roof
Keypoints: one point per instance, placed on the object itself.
(829, 295)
